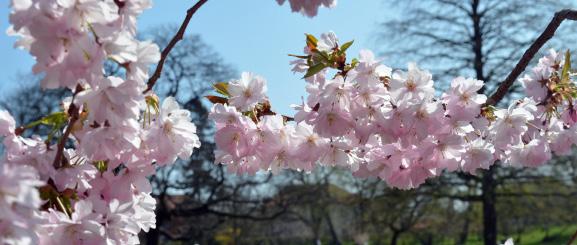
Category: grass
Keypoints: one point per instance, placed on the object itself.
(557, 236)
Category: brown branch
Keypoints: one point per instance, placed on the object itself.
(74, 114)
(548, 33)
(179, 36)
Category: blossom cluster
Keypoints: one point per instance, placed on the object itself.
(308, 8)
(90, 185)
(374, 121)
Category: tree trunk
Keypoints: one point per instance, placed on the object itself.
(489, 210)
(395, 238)
(153, 235)
(464, 234)
(477, 41)
(334, 235)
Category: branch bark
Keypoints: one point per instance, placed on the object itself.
(177, 37)
(548, 33)
(74, 114)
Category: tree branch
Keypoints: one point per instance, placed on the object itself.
(548, 33)
(179, 36)
(74, 114)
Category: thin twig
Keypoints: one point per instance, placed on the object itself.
(566, 14)
(74, 114)
(179, 36)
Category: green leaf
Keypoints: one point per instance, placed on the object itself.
(249, 114)
(566, 67)
(346, 46)
(47, 192)
(54, 119)
(354, 62)
(300, 56)
(222, 88)
(311, 41)
(323, 55)
(315, 69)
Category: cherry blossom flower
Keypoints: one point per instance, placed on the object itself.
(7, 123)
(112, 142)
(333, 122)
(308, 8)
(415, 84)
(533, 154)
(19, 202)
(478, 154)
(147, 53)
(534, 83)
(466, 90)
(113, 100)
(173, 133)
(247, 91)
(327, 42)
(369, 70)
(83, 227)
(119, 228)
(510, 125)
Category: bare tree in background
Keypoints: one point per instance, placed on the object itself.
(29, 102)
(479, 38)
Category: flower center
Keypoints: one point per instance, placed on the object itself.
(330, 118)
(247, 93)
(411, 86)
(167, 128)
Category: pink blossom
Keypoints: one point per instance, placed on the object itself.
(19, 201)
(83, 227)
(335, 122)
(113, 100)
(533, 154)
(534, 83)
(112, 142)
(233, 140)
(308, 8)
(462, 100)
(7, 123)
(478, 154)
(173, 133)
(562, 139)
(147, 53)
(119, 227)
(510, 125)
(224, 115)
(415, 84)
(76, 176)
(327, 42)
(369, 70)
(310, 147)
(144, 206)
(246, 92)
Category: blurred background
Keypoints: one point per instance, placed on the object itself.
(199, 202)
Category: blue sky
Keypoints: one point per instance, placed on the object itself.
(252, 35)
